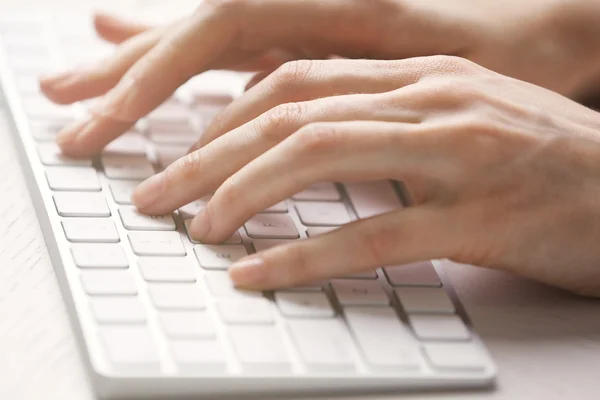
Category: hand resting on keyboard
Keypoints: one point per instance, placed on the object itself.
(504, 173)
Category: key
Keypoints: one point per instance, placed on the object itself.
(127, 167)
(187, 324)
(81, 205)
(220, 286)
(324, 345)
(181, 138)
(130, 143)
(156, 243)
(118, 310)
(280, 207)
(434, 327)
(236, 238)
(218, 256)
(167, 269)
(362, 275)
(90, 230)
(190, 210)
(40, 108)
(416, 274)
(28, 85)
(131, 347)
(265, 244)
(82, 179)
(455, 356)
(359, 292)
(167, 154)
(170, 113)
(324, 191)
(177, 296)
(134, 220)
(199, 355)
(122, 191)
(304, 304)
(422, 299)
(30, 63)
(319, 230)
(384, 340)
(276, 226)
(372, 198)
(322, 213)
(260, 348)
(99, 255)
(48, 129)
(107, 282)
(50, 154)
(251, 310)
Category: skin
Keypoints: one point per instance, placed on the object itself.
(504, 173)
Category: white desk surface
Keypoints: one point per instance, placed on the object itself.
(546, 342)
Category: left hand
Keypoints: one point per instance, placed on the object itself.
(505, 174)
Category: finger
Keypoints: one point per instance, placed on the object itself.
(326, 151)
(400, 237)
(96, 79)
(116, 29)
(306, 80)
(180, 182)
(268, 61)
(256, 79)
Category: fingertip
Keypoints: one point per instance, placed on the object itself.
(249, 272)
(67, 138)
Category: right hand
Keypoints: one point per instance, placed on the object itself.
(541, 41)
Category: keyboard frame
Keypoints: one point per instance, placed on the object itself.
(108, 383)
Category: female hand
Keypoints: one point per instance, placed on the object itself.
(505, 174)
(550, 43)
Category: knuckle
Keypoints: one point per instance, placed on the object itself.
(318, 137)
(280, 118)
(292, 73)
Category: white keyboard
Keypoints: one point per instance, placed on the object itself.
(156, 314)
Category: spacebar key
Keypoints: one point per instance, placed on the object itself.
(372, 198)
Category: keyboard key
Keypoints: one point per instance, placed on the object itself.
(304, 305)
(359, 292)
(134, 220)
(372, 198)
(192, 209)
(423, 300)
(157, 243)
(221, 286)
(167, 269)
(82, 179)
(218, 256)
(199, 355)
(322, 213)
(324, 345)
(129, 143)
(81, 205)
(127, 167)
(443, 327)
(187, 324)
(168, 154)
(41, 108)
(90, 230)
(280, 207)
(99, 255)
(250, 310)
(130, 346)
(259, 348)
(170, 114)
(455, 356)
(236, 238)
(177, 296)
(122, 191)
(50, 154)
(276, 226)
(265, 244)
(384, 340)
(118, 310)
(324, 191)
(319, 230)
(416, 274)
(361, 275)
(108, 283)
(46, 130)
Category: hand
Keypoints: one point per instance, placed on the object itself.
(504, 174)
(549, 43)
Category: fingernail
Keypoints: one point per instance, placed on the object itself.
(114, 99)
(249, 271)
(201, 225)
(149, 191)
